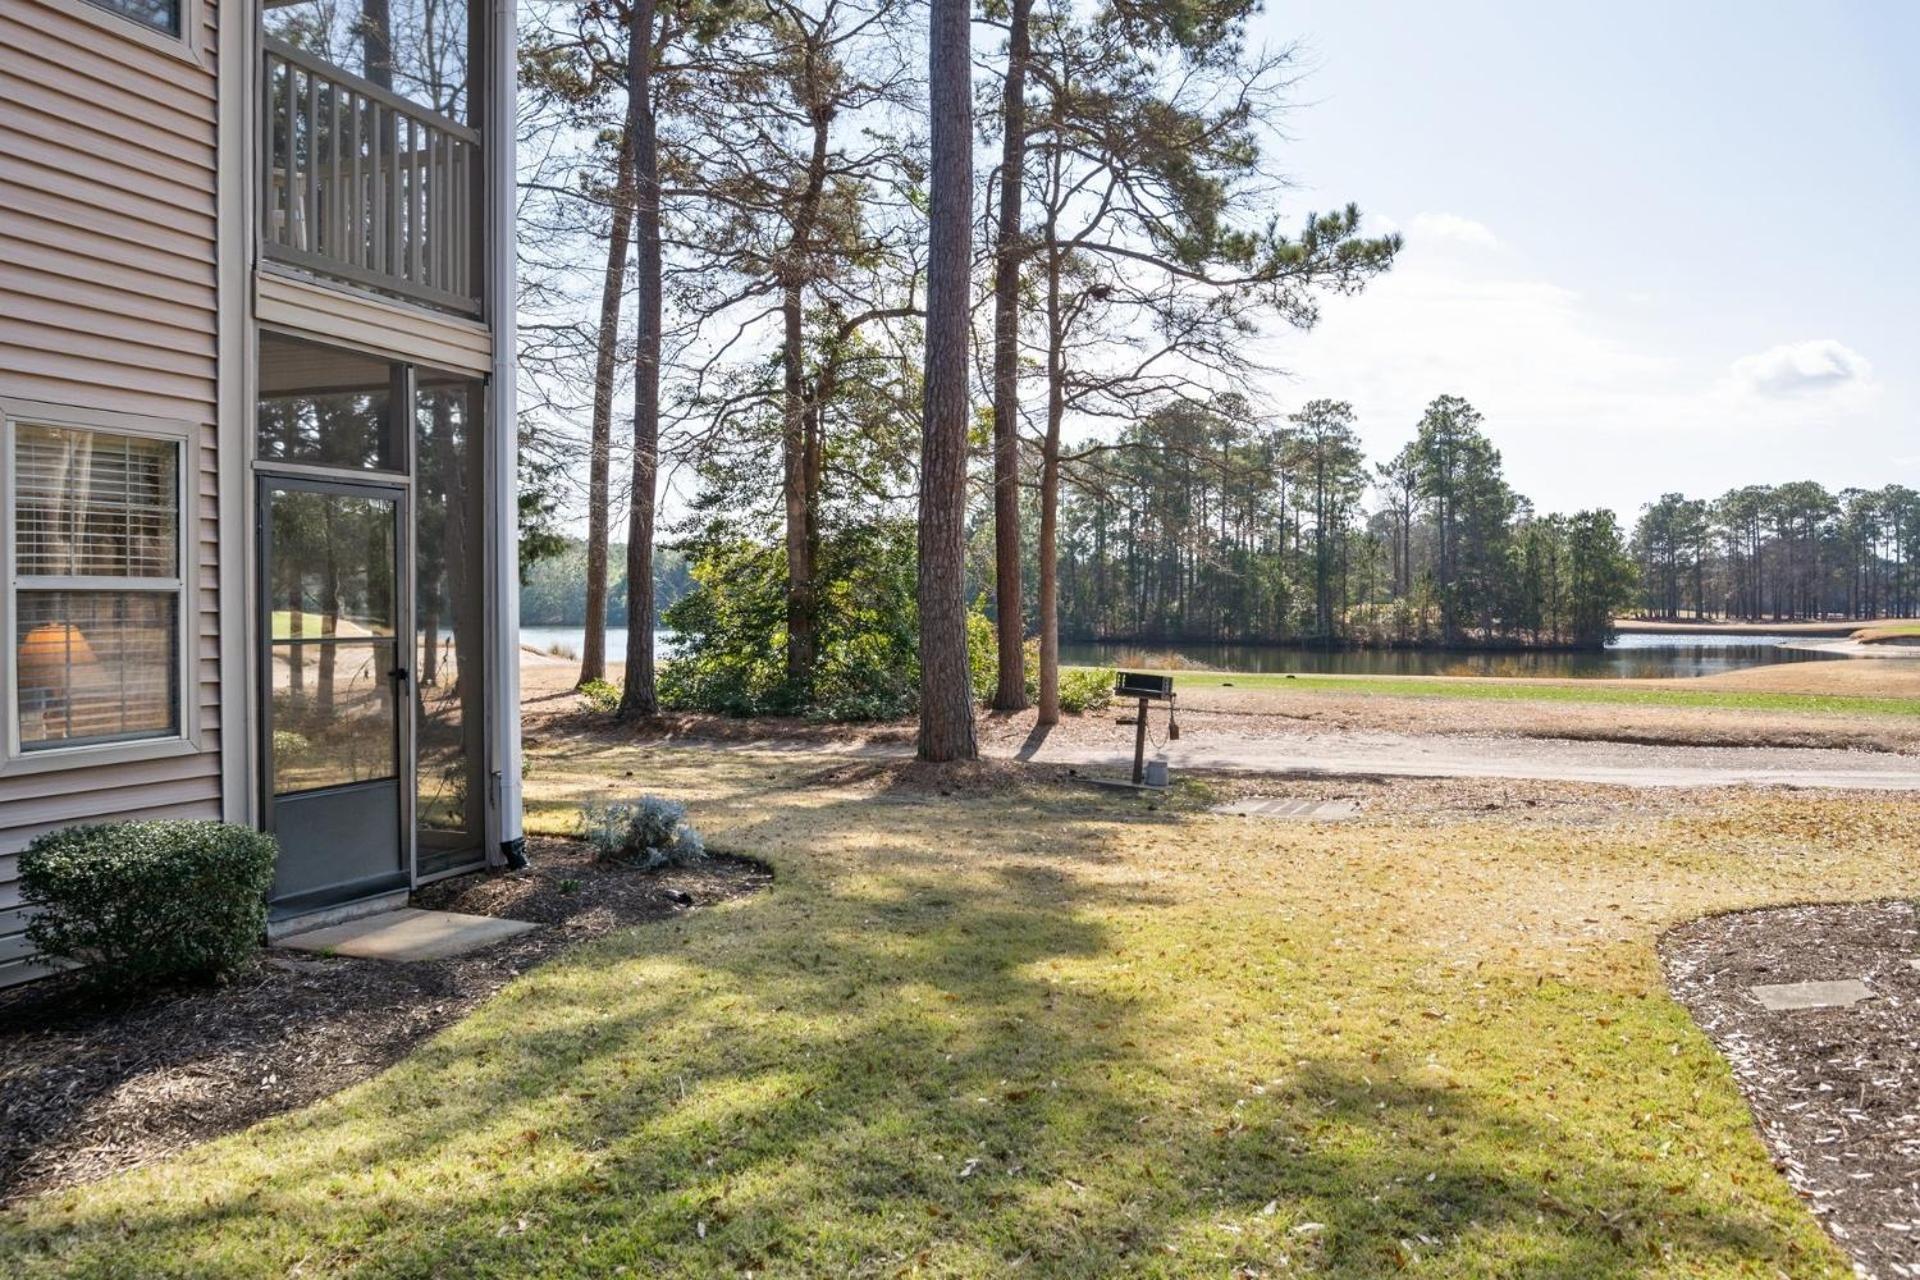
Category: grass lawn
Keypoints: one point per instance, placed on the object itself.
(1623, 693)
(1037, 1031)
(1881, 633)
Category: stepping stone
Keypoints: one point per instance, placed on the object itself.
(1841, 994)
(1294, 810)
(407, 934)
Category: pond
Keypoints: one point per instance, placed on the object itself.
(566, 642)
(1631, 656)
(1641, 656)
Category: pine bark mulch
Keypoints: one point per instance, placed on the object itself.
(1835, 1092)
(90, 1088)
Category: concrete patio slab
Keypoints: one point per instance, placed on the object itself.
(1841, 994)
(407, 934)
(1297, 810)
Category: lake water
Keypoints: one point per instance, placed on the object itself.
(571, 639)
(1639, 656)
(1632, 656)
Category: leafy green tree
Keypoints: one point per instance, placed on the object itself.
(1324, 449)
(727, 628)
(803, 192)
(1600, 577)
(1157, 250)
(1470, 505)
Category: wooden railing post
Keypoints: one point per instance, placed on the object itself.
(395, 213)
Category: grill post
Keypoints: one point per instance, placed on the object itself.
(1140, 745)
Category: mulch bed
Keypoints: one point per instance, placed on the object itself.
(88, 1089)
(1836, 1092)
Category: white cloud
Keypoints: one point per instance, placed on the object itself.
(1802, 368)
(1451, 226)
(1591, 400)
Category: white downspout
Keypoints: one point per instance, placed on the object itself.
(502, 418)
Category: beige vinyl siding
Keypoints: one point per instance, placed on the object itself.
(389, 329)
(108, 286)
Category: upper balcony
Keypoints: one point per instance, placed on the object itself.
(370, 174)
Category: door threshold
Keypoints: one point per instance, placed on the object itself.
(339, 913)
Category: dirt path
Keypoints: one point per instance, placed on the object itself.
(1307, 733)
(1410, 756)
(1542, 759)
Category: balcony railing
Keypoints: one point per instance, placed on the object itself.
(365, 186)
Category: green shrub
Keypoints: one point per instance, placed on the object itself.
(149, 902)
(1085, 689)
(983, 655)
(650, 832)
(731, 629)
(602, 695)
(1081, 690)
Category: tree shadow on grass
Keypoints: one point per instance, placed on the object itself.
(908, 1057)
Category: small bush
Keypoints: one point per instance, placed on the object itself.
(602, 695)
(648, 832)
(149, 902)
(1085, 689)
(1081, 689)
(983, 655)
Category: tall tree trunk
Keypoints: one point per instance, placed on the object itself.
(1010, 622)
(801, 497)
(376, 42)
(593, 650)
(946, 686)
(638, 698)
(793, 485)
(1099, 571)
(1050, 492)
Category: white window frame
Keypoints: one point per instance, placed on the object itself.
(185, 740)
(187, 46)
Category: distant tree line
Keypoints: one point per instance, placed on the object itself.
(1210, 523)
(1788, 551)
(553, 591)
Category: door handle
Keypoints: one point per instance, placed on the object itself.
(399, 673)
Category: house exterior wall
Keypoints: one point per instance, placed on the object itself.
(132, 292)
(110, 304)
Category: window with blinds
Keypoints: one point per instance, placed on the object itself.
(97, 586)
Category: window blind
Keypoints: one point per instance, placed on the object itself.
(97, 666)
(97, 586)
(95, 505)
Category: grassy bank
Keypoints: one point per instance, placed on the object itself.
(1888, 633)
(1619, 693)
(980, 1029)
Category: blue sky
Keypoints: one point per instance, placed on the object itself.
(1660, 246)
